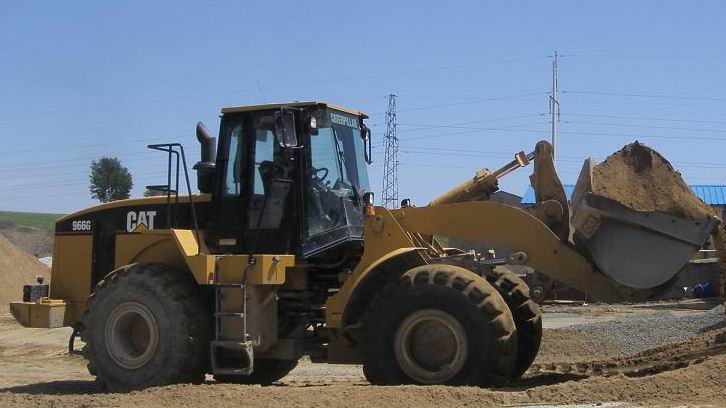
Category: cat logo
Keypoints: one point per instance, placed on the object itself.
(140, 221)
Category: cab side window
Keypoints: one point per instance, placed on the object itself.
(268, 166)
(264, 158)
(235, 169)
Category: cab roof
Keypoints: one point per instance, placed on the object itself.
(235, 109)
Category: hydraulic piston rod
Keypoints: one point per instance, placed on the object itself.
(483, 184)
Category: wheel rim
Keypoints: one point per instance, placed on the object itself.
(431, 346)
(132, 335)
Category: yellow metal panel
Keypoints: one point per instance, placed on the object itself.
(47, 314)
(71, 271)
(202, 267)
(384, 239)
(187, 241)
(153, 246)
(177, 247)
(198, 198)
(269, 269)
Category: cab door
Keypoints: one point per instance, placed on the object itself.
(229, 208)
(254, 212)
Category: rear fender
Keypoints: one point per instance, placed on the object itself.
(175, 247)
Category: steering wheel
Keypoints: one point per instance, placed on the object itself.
(323, 170)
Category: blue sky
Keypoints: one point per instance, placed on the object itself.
(84, 79)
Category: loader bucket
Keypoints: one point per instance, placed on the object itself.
(638, 249)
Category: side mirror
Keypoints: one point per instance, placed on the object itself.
(367, 146)
(368, 198)
(311, 123)
(368, 207)
(285, 128)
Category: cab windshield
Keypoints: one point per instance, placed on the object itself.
(338, 171)
(338, 155)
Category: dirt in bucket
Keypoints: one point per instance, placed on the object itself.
(640, 178)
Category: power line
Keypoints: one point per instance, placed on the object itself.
(646, 136)
(490, 99)
(453, 125)
(667, 57)
(477, 130)
(278, 87)
(597, 134)
(78, 172)
(389, 193)
(646, 126)
(629, 95)
(46, 186)
(472, 127)
(644, 118)
(64, 147)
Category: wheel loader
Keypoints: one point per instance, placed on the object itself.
(283, 254)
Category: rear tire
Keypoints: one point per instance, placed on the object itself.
(265, 372)
(441, 324)
(527, 317)
(146, 325)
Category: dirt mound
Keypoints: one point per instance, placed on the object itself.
(36, 242)
(571, 346)
(17, 268)
(640, 178)
(658, 359)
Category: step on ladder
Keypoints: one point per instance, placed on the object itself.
(243, 344)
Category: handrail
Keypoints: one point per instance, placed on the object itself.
(170, 149)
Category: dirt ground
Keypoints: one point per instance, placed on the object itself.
(35, 370)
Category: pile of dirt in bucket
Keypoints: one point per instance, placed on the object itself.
(640, 178)
(17, 268)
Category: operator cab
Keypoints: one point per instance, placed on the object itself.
(287, 179)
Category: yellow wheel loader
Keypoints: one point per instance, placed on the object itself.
(282, 254)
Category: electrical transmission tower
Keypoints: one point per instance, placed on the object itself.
(390, 166)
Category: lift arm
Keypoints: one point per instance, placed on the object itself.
(512, 227)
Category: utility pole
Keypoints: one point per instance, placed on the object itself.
(554, 106)
(389, 197)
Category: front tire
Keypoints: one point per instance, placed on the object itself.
(441, 324)
(527, 317)
(146, 325)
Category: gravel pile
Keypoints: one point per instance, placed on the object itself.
(633, 334)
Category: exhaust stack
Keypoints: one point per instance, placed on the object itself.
(205, 167)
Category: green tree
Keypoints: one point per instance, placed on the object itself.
(110, 180)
